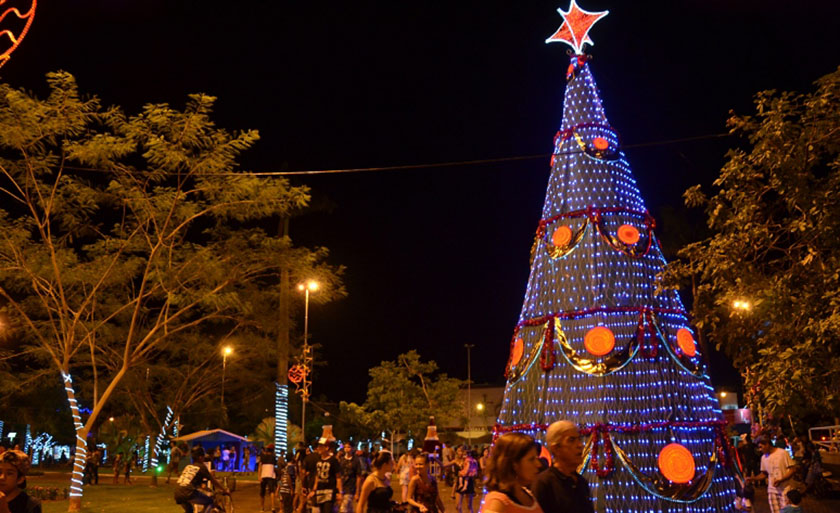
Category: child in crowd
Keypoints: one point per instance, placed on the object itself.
(794, 498)
(744, 494)
(14, 465)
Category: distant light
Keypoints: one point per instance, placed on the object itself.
(159, 469)
(479, 406)
(723, 394)
(740, 304)
(110, 419)
(311, 286)
(228, 350)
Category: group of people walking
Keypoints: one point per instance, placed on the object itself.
(350, 481)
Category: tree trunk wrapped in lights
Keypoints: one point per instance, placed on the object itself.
(595, 343)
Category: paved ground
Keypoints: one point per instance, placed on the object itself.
(247, 500)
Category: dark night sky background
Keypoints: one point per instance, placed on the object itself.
(435, 257)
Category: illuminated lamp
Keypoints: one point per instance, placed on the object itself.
(516, 353)
(686, 342)
(628, 234)
(600, 143)
(676, 463)
(599, 341)
(562, 236)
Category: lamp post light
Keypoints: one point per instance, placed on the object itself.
(469, 402)
(306, 358)
(226, 351)
(743, 305)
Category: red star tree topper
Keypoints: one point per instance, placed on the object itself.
(575, 28)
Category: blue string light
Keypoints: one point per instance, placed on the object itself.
(598, 277)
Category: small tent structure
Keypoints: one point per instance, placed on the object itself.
(210, 439)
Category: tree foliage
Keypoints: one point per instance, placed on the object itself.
(403, 394)
(122, 233)
(775, 223)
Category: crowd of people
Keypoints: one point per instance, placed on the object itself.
(790, 471)
(346, 480)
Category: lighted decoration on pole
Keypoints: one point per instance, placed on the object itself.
(304, 367)
(159, 440)
(595, 343)
(11, 34)
(81, 444)
(281, 416)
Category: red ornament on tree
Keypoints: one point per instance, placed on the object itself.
(600, 143)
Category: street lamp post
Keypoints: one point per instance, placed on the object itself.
(226, 351)
(306, 359)
(469, 399)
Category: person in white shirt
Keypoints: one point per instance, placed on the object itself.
(777, 467)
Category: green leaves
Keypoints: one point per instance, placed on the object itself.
(122, 233)
(404, 393)
(775, 217)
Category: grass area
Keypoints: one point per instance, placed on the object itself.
(110, 498)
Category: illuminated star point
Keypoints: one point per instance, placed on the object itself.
(575, 28)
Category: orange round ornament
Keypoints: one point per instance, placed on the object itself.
(601, 143)
(516, 353)
(297, 373)
(545, 454)
(628, 234)
(599, 341)
(676, 463)
(686, 342)
(562, 236)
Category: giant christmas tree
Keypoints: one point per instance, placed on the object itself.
(595, 343)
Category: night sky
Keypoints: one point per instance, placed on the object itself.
(436, 257)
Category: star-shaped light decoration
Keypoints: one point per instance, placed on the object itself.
(575, 28)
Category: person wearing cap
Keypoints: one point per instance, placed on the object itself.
(327, 485)
(560, 488)
(777, 467)
(14, 465)
(187, 492)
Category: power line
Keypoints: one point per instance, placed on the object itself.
(454, 163)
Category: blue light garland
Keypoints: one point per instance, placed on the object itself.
(610, 283)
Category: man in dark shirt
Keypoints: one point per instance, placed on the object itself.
(326, 478)
(187, 493)
(560, 489)
(351, 478)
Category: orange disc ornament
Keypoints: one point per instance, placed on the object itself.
(545, 454)
(628, 234)
(562, 236)
(600, 143)
(676, 463)
(516, 353)
(599, 341)
(297, 373)
(686, 342)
